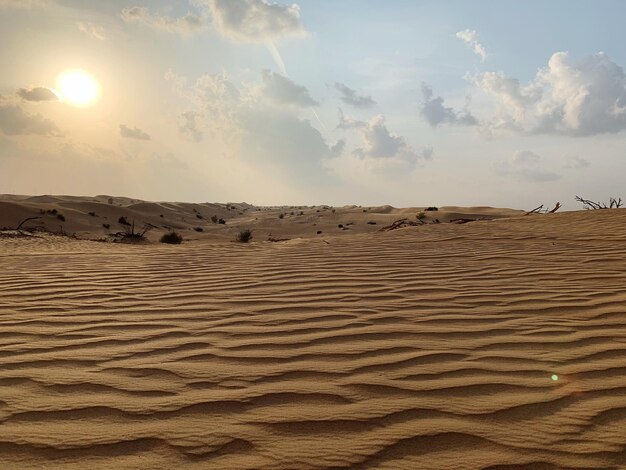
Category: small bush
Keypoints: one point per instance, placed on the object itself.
(319, 232)
(371, 222)
(93, 214)
(221, 222)
(340, 226)
(52, 211)
(161, 215)
(432, 209)
(106, 225)
(333, 211)
(214, 219)
(281, 216)
(244, 236)
(198, 229)
(421, 216)
(198, 216)
(61, 217)
(122, 220)
(173, 238)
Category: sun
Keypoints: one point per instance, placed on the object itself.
(78, 88)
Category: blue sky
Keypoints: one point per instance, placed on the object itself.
(502, 103)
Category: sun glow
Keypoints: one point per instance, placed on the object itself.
(78, 88)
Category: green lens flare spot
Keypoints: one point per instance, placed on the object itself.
(554, 377)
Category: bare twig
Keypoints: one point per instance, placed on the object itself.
(588, 204)
(556, 208)
(536, 210)
(26, 220)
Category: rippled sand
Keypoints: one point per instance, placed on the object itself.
(427, 347)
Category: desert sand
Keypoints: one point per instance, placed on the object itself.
(495, 344)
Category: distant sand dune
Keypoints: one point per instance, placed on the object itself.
(428, 347)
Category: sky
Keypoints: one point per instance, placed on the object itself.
(422, 102)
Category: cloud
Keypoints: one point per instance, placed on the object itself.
(37, 94)
(469, 37)
(24, 4)
(187, 24)
(276, 136)
(188, 126)
(92, 29)
(436, 113)
(581, 98)
(133, 133)
(378, 142)
(380, 151)
(15, 121)
(282, 91)
(348, 123)
(513, 99)
(255, 20)
(272, 139)
(574, 162)
(526, 165)
(350, 97)
(214, 98)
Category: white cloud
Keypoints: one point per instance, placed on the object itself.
(575, 162)
(214, 99)
(15, 121)
(133, 133)
(378, 142)
(283, 91)
(436, 113)
(91, 29)
(37, 94)
(526, 166)
(469, 37)
(380, 151)
(348, 123)
(24, 4)
(189, 127)
(581, 98)
(352, 98)
(189, 23)
(272, 138)
(255, 20)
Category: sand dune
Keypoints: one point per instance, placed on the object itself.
(429, 347)
(97, 217)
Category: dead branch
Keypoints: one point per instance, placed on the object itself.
(276, 240)
(556, 208)
(462, 221)
(588, 204)
(129, 235)
(26, 220)
(614, 203)
(536, 210)
(401, 223)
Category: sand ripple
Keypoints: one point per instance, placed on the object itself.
(429, 347)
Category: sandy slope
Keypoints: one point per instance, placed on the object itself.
(186, 218)
(426, 347)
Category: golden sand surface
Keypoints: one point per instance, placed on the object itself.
(495, 344)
